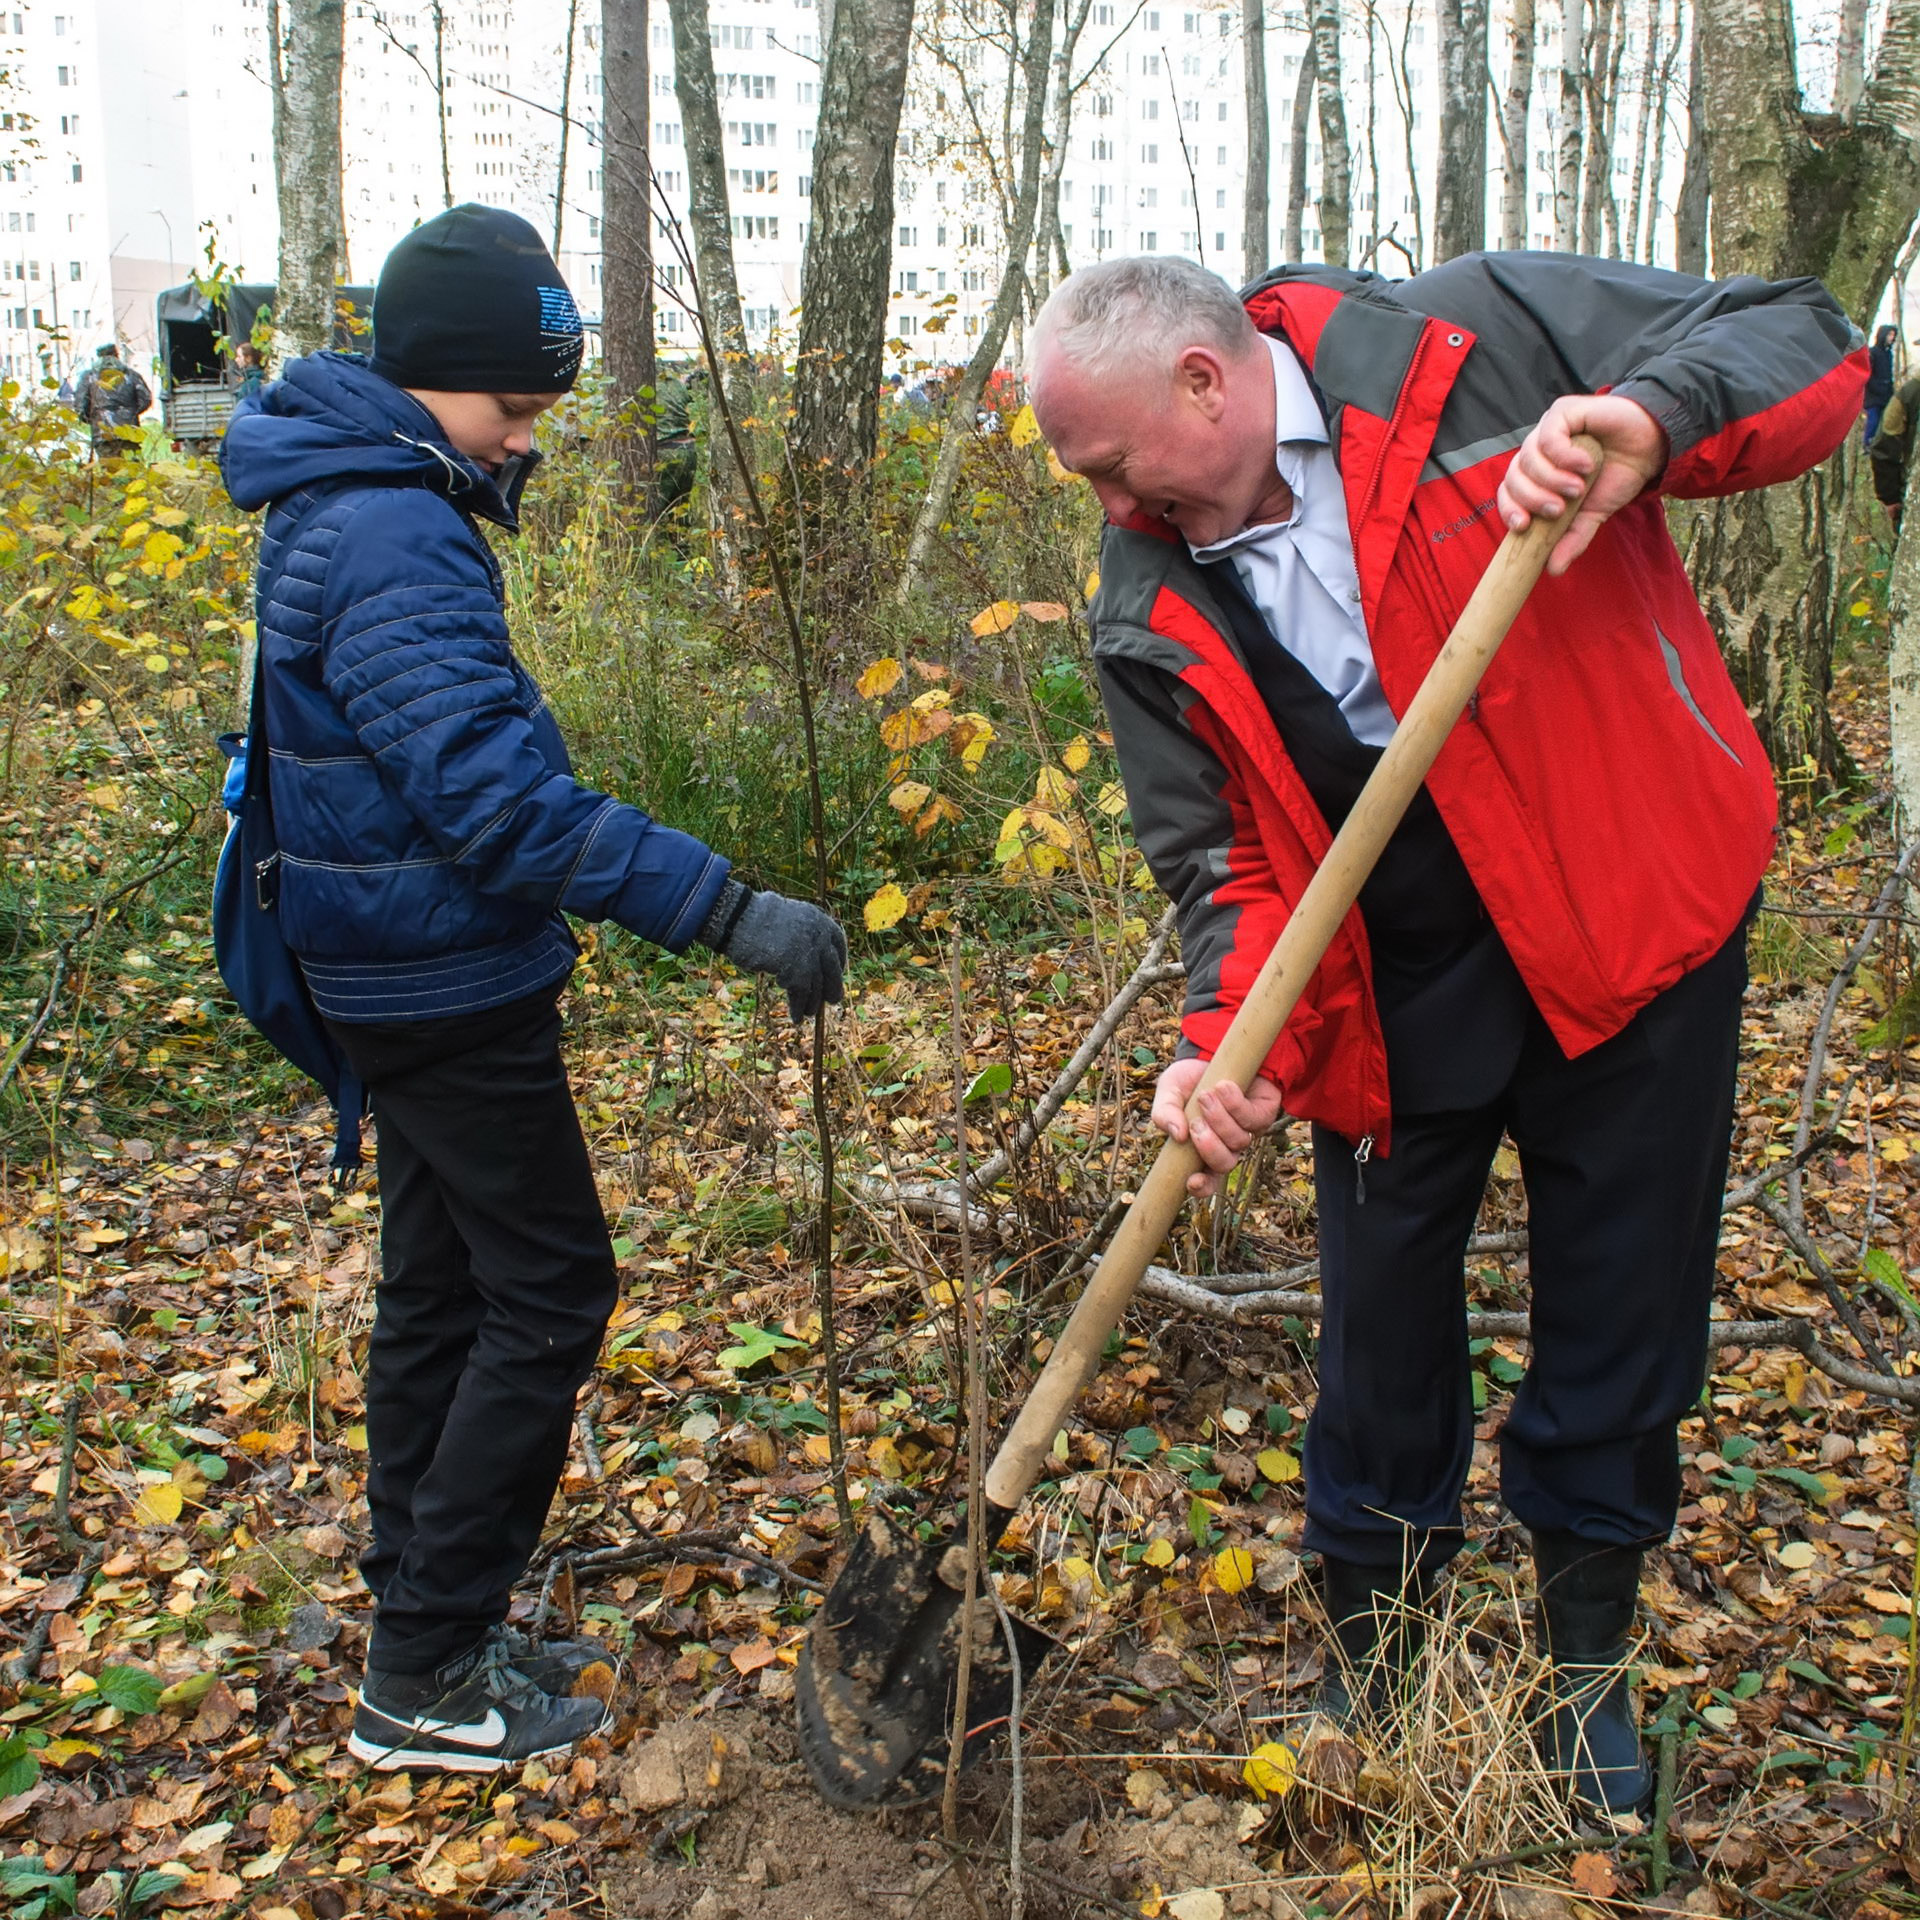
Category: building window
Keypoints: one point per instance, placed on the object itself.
(73, 269)
(1150, 155)
(909, 237)
(1149, 243)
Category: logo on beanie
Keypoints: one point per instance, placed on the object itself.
(560, 329)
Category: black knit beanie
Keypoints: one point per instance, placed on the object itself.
(472, 302)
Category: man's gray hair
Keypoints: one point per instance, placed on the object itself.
(1144, 309)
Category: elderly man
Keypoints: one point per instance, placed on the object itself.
(1304, 485)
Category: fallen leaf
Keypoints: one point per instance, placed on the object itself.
(1233, 1569)
(1593, 1874)
(1278, 1465)
(1271, 1770)
(1201, 1904)
(159, 1506)
(752, 1656)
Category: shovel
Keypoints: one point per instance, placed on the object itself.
(874, 1688)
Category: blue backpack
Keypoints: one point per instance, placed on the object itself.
(261, 971)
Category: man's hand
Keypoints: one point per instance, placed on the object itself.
(1229, 1119)
(1549, 470)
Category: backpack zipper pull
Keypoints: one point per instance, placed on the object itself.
(1361, 1155)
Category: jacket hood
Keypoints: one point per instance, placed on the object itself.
(331, 417)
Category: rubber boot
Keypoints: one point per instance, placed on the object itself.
(1587, 1731)
(1379, 1626)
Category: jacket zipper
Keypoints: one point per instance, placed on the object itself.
(1361, 1155)
(1393, 421)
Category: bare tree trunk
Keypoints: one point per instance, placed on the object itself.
(440, 101)
(1657, 173)
(1566, 191)
(1599, 164)
(306, 68)
(566, 127)
(626, 252)
(1460, 194)
(1051, 242)
(1291, 246)
(1793, 194)
(1610, 117)
(1514, 116)
(707, 210)
(1651, 79)
(1690, 216)
(1256, 243)
(1403, 99)
(966, 399)
(1850, 57)
(1373, 145)
(843, 312)
(1336, 159)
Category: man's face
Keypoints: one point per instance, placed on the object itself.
(1192, 443)
(489, 428)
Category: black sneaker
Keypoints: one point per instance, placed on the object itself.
(477, 1714)
(564, 1668)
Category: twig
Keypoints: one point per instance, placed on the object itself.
(976, 1422)
(1797, 1237)
(686, 1546)
(1662, 1863)
(39, 1022)
(20, 1669)
(63, 1485)
(589, 1452)
(1546, 1849)
(1017, 1792)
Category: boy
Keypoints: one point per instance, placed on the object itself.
(432, 836)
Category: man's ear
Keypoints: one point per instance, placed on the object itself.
(1200, 379)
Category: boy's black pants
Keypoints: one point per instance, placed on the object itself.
(497, 1283)
(1624, 1153)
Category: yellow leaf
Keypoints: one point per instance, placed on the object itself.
(1077, 753)
(1159, 1553)
(188, 1692)
(1064, 475)
(1278, 1465)
(908, 795)
(106, 797)
(1093, 584)
(1860, 609)
(995, 619)
(1025, 429)
(933, 698)
(942, 809)
(1885, 1600)
(886, 909)
(1050, 827)
(1271, 1770)
(158, 1506)
(1233, 1569)
(898, 730)
(972, 736)
(56, 1753)
(1113, 800)
(1797, 1555)
(880, 678)
(356, 1438)
(158, 548)
(1052, 788)
(1045, 611)
(1894, 1149)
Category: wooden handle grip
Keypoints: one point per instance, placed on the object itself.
(1416, 743)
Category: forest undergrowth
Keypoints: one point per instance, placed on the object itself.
(187, 1300)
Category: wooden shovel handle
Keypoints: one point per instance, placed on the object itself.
(1416, 742)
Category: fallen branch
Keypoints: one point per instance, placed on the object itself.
(1198, 1296)
(686, 1546)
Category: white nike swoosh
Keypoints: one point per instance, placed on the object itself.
(489, 1732)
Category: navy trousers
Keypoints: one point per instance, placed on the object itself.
(1624, 1155)
(497, 1280)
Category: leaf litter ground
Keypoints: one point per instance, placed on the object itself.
(187, 1314)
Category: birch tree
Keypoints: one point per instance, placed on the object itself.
(1597, 177)
(1652, 86)
(306, 46)
(626, 244)
(1566, 189)
(1291, 244)
(1256, 242)
(961, 412)
(1850, 57)
(1460, 193)
(1515, 110)
(1049, 243)
(843, 312)
(1690, 215)
(1797, 193)
(708, 217)
(1336, 160)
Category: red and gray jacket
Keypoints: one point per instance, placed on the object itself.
(1606, 789)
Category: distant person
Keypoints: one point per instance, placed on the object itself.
(435, 844)
(108, 396)
(1892, 445)
(250, 367)
(1879, 382)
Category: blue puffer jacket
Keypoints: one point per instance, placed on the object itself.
(431, 831)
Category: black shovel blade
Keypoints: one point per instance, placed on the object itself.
(876, 1679)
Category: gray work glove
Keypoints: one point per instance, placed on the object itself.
(795, 941)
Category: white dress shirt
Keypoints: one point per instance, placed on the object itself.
(1300, 572)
